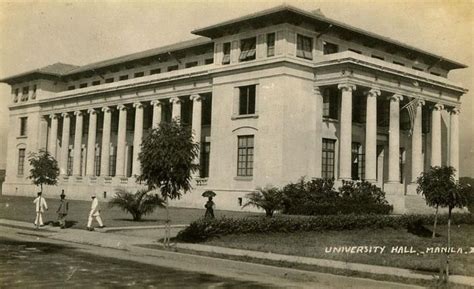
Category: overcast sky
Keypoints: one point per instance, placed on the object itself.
(36, 34)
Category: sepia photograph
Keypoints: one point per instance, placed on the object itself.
(237, 144)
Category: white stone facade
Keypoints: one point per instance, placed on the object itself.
(269, 102)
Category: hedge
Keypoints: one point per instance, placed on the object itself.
(204, 229)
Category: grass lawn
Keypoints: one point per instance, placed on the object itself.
(313, 244)
(22, 209)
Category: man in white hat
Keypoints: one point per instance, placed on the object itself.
(41, 206)
(94, 213)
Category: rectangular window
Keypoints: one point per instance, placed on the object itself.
(398, 63)
(24, 95)
(70, 160)
(97, 161)
(247, 49)
(377, 57)
(330, 48)
(23, 126)
(139, 74)
(417, 68)
(226, 50)
(155, 71)
(205, 154)
(96, 82)
(247, 99)
(245, 156)
(304, 47)
(191, 64)
(172, 67)
(358, 162)
(270, 44)
(355, 51)
(109, 80)
(123, 77)
(359, 108)
(330, 102)
(209, 61)
(82, 85)
(16, 93)
(21, 162)
(71, 87)
(33, 96)
(112, 161)
(328, 153)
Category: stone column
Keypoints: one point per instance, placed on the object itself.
(416, 144)
(176, 104)
(345, 131)
(394, 140)
(121, 141)
(91, 142)
(105, 148)
(436, 135)
(65, 143)
(454, 141)
(371, 136)
(137, 138)
(76, 165)
(196, 121)
(53, 136)
(156, 113)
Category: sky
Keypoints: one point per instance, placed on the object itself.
(38, 33)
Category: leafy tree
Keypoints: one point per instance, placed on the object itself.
(44, 169)
(137, 204)
(441, 189)
(167, 159)
(268, 199)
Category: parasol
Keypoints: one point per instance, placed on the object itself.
(208, 194)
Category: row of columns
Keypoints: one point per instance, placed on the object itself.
(417, 164)
(106, 135)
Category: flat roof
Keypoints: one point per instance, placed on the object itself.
(287, 13)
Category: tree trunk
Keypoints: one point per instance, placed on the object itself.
(41, 188)
(449, 243)
(435, 222)
(167, 226)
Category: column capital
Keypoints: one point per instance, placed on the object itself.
(121, 107)
(374, 92)
(155, 102)
(195, 97)
(396, 97)
(106, 109)
(78, 113)
(138, 105)
(65, 114)
(92, 111)
(455, 110)
(346, 87)
(421, 102)
(53, 116)
(174, 100)
(438, 106)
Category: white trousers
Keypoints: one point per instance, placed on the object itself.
(39, 219)
(97, 218)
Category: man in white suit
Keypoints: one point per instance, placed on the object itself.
(94, 213)
(41, 206)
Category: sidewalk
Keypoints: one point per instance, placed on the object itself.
(117, 240)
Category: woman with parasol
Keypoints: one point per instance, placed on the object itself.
(209, 204)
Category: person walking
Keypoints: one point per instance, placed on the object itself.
(94, 213)
(41, 206)
(209, 209)
(62, 210)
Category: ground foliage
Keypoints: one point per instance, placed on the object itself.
(203, 229)
(268, 199)
(138, 204)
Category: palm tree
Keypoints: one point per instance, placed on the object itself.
(268, 199)
(137, 204)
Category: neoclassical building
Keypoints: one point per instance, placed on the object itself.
(271, 97)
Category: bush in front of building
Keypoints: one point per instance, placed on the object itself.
(268, 199)
(203, 229)
(318, 197)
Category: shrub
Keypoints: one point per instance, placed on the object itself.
(318, 197)
(268, 199)
(137, 204)
(204, 229)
